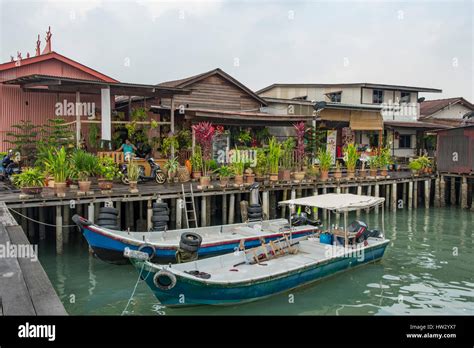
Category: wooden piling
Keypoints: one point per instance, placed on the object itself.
(273, 205)
(41, 218)
(394, 197)
(376, 194)
(31, 224)
(453, 191)
(387, 196)
(427, 193)
(66, 221)
(131, 214)
(283, 207)
(266, 205)
(415, 194)
(325, 211)
(410, 194)
(209, 211)
(442, 189)
(231, 208)
(359, 192)
(243, 210)
(437, 197)
(203, 211)
(224, 209)
(149, 214)
(293, 196)
(90, 212)
(463, 192)
(59, 230)
(179, 213)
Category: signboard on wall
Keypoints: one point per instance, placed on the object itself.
(331, 144)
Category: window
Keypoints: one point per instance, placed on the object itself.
(405, 97)
(404, 141)
(377, 96)
(335, 97)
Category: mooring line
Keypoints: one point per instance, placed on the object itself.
(39, 222)
(134, 289)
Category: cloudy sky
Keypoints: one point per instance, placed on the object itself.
(416, 43)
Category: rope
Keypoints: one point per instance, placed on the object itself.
(134, 289)
(39, 222)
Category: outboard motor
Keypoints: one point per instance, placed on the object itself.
(362, 231)
(303, 219)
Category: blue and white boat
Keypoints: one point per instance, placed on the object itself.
(109, 245)
(272, 268)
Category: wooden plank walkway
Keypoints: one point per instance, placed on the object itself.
(24, 286)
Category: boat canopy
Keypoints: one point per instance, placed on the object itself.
(338, 202)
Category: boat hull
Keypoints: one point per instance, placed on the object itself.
(110, 248)
(188, 292)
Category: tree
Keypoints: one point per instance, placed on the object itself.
(24, 140)
(56, 133)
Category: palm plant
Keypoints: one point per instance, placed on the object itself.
(324, 159)
(133, 172)
(224, 171)
(58, 164)
(84, 164)
(287, 153)
(274, 152)
(172, 165)
(351, 156)
(238, 167)
(196, 159)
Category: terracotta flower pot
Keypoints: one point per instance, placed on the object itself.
(105, 185)
(362, 173)
(204, 180)
(196, 175)
(286, 175)
(274, 177)
(133, 186)
(259, 178)
(324, 175)
(239, 179)
(224, 180)
(60, 189)
(373, 172)
(299, 176)
(338, 174)
(351, 173)
(250, 178)
(383, 172)
(84, 186)
(36, 190)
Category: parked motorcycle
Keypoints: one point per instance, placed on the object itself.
(156, 173)
(10, 166)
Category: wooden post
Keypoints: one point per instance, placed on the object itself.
(231, 208)
(293, 196)
(42, 228)
(265, 207)
(299, 193)
(404, 194)
(453, 190)
(410, 194)
(273, 205)
(118, 206)
(179, 213)
(338, 191)
(67, 221)
(172, 122)
(377, 194)
(463, 192)
(243, 210)
(394, 197)
(209, 211)
(149, 214)
(203, 211)
(224, 209)
(90, 212)
(442, 189)
(427, 193)
(415, 194)
(437, 196)
(359, 193)
(59, 230)
(283, 207)
(369, 193)
(325, 211)
(131, 214)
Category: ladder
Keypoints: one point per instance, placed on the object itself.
(189, 207)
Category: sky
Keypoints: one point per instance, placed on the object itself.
(415, 43)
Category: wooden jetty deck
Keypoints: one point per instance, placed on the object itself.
(24, 286)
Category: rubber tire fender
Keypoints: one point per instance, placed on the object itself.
(147, 245)
(166, 274)
(192, 239)
(186, 247)
(108, 210)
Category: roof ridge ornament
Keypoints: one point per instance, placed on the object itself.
(47, 48)
(38, 46)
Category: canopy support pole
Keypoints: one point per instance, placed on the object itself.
(383, 223)
(345, 230)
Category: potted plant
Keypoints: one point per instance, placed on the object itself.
(300, 128)
(325, 160)
(238, 169)
(415, 167)
(108, 171)
(249, 176)
(337, 171)
(171, 167)
(261, 166)
(84, 166)
(204, 133)
(30, 181)
(288, 147)
(425, 163)
(373, 165)
(224, 175)
(196, 162)
(171, 141)
(59, 166)
(274, 152)
(384, 160)
(133, 173)
(350, 157)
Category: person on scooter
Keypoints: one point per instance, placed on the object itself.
(128, 148)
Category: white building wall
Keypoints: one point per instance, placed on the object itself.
(455, 111)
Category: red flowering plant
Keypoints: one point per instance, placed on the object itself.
(220, 129)
(300, 133)
(204, 132)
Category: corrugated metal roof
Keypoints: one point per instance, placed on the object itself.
(429, 107)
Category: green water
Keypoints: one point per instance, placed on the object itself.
(428, 268)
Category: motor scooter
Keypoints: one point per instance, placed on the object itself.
(156, 173)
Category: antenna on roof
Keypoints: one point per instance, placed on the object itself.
(47, 49)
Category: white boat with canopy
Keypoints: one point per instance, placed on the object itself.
(273, 267)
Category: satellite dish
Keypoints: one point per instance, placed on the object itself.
(421, 100)
(320, 105)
